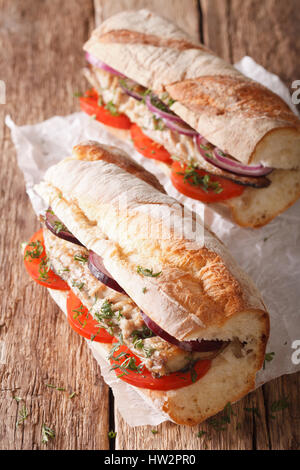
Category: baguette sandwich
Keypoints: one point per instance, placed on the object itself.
(223, 138)
(172, 312)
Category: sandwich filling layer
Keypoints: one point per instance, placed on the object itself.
(116, 312)
(181, 147)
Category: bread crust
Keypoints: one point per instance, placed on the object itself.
(236, 114)
(255, 208)
(93, 151)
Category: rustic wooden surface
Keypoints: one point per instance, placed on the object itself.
(41, 58)
(40, 62)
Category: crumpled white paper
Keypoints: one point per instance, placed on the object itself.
(270, 255)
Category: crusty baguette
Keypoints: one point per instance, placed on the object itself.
(236, 114)
(228, 380)
(200, 293)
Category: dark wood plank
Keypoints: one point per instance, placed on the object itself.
(41, 59)
(267, 31)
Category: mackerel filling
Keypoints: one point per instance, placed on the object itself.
(124, 321)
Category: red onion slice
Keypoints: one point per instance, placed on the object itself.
(98, 270)
(160, 109)
(217, 158)
(101, 65)
(128, 87)
(55, 225)
(181, 127)
(199, 346)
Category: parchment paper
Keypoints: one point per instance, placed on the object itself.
(271, 255)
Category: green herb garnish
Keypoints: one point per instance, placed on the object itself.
(253, 410)
(220, 423)
(194, 374)
(268, 358)
(166, 98)
(128, 364)
(60, 389)
(47, 433)
(192, 177)
(44, 269)
(147, 272)
(35, 252)
(111, 107)
(81, 258)
(59, 226)
(18, 399)
(106, 313)
(78, 284)
(145, 94)
(279, 405)
(138, 337)
(106, 310)
(159, 124)
(112, 434)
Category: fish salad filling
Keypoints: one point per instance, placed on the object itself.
(108, 87)
(115, 311)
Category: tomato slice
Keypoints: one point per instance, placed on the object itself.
(198, 184)
(83, 323)
(148, 147)
(89, 104)
(128, 367)
(137, 374)
(35, 260)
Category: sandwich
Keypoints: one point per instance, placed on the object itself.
(170, 310)
(223, 138)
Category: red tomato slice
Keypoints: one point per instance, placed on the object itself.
(148, 147)
(35, 260)
(89, 104)
(142, 378)
(188, 187)
(83, 323)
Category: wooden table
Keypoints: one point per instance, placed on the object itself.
(41, 59)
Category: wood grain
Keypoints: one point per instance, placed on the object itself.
(184, 13)
(40, 62)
